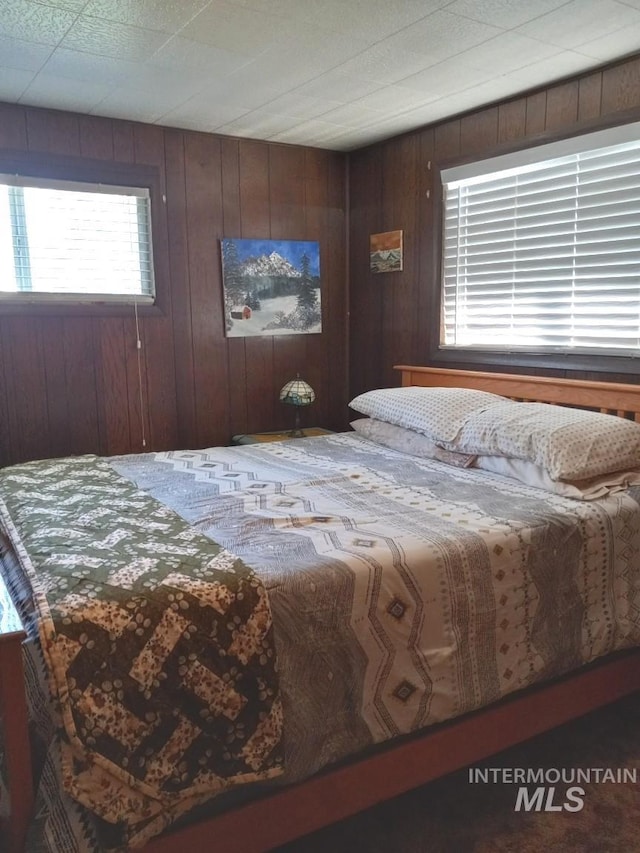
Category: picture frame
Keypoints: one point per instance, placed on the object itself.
(271, 287)
(385, 252)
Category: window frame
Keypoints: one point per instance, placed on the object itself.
(106, 172)
(475, 357)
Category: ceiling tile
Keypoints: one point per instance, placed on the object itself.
(301, 106)
(372, 20)
(202, 113)
(442, 35)
(25, 55)
(147, 106)
(12, 81)
(235, 28)
(180, 54)
(72, 5)
(107, 38)
(395, 99)
(507, 52)
(76, 65)
(385, 64)
(503, 13)
(169, 16)
(352, 115)
(75, 95)
(338, 87)
(29, 21)
(446, 78)
(613, 45)
(581, 21)
(551, 69)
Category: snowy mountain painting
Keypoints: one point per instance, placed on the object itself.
(271, 287)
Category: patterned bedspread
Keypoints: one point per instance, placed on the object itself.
(403, 592)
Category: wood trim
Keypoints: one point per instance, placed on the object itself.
(614, 397)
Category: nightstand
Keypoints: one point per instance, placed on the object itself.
(279, 435)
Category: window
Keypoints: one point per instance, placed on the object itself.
(74, 241)
(542, 248)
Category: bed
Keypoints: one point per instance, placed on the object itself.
(436, 712)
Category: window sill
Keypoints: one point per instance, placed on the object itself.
(592, 363)
(77, 309)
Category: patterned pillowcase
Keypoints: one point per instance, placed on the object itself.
(570, 444)
(436, 412)
(409, 441)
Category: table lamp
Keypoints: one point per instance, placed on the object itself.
(297, 393)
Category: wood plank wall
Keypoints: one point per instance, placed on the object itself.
(392, 188)
(69, 384)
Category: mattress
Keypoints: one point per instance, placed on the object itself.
(403, 592)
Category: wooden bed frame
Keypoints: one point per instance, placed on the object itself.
(339, 792)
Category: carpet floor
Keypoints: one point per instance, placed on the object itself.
(452, 815)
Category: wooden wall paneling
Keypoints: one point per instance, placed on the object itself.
(6, 450)
(204, 225)
(27, 389)
(536, 112)
(135, 361)
(96, 137)
(52, 335)
(13, 127)
(590, 96)
(158, 338)
(478, 131)
(318, 349)
(63, 133)
(37, 129)
(400, 200)
(621, 86)
(123, 141)
(512, 120)
(80, 359)
(562, 106)
(447, 143)
(232, 227)
(262, 412)
(428, 184)
(365, 288)
(112, 385)
(179, 273)
(336, 242)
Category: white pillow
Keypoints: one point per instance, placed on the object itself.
(409, 441)
(437, 412)
(534, 475)
(570, 444)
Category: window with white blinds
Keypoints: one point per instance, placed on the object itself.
(64, 240)
(545, 254)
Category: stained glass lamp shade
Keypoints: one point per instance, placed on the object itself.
(297, 393)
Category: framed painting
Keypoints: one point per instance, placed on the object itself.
(385, 251)
(271, 287)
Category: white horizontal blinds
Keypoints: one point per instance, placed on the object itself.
(546, 254)
(68, 238)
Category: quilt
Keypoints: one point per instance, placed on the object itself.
(403, 591)
(158, 643)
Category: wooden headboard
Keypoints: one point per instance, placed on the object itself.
(614, 398)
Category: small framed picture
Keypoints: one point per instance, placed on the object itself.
(385, 252)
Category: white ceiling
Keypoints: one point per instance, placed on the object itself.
(329, 73)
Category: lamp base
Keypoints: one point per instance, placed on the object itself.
(295, 433)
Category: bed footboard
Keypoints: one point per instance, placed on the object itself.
(15, 727)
